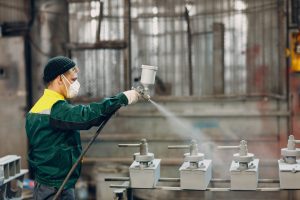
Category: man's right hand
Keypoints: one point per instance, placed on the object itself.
(133, 96)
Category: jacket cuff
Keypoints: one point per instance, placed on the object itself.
(123, 99)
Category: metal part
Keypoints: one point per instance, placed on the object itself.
(145, 170)
(117, 179)
(243, 157)
(189, 41)
(215, 180)
(195, 178)
(144, 158)
(289, 166)
(144, 177)
(123, 192)
(10, 170)
(290, 153)
(218, 55)
(195, 172)
(100, 17)
(193, 157)
(243, 169)
(244, 179)
(120, 194)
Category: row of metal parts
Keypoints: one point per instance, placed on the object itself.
(196, 172)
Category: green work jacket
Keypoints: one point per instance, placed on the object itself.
(52, 128)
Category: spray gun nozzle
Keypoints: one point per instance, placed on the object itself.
(145, 94)
(146, 97)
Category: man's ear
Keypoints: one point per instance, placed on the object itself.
(59, 80)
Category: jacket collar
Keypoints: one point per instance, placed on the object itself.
(53, 94)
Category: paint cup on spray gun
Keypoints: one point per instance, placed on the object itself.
(147, 80)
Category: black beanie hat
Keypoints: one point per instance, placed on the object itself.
(57, 66)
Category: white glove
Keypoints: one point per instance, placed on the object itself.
(133, 96)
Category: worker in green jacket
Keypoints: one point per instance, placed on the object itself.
(53, 124)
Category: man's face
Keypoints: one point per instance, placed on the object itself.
(71, 75)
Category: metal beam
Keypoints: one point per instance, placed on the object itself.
(99, 22)
(100, 45)
(218, 58)
(189, 42)
(127, 38)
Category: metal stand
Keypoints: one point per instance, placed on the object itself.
(145, 170)
(195, 172)
(11, 177)
(243, 169)
(289, 166)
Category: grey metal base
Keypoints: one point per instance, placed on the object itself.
(144, 177)
(289, 175)
(244, 180)
(195, 179)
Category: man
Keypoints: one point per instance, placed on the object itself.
(52, 127)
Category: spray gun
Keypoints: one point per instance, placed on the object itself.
(147, 79)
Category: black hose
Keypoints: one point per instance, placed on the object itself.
(82, 154)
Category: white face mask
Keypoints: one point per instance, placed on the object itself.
(73, 89)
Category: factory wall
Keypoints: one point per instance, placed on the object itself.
(13, 98)
(13, 78)
(46, 38)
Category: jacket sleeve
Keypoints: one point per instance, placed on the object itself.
(82, 117)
